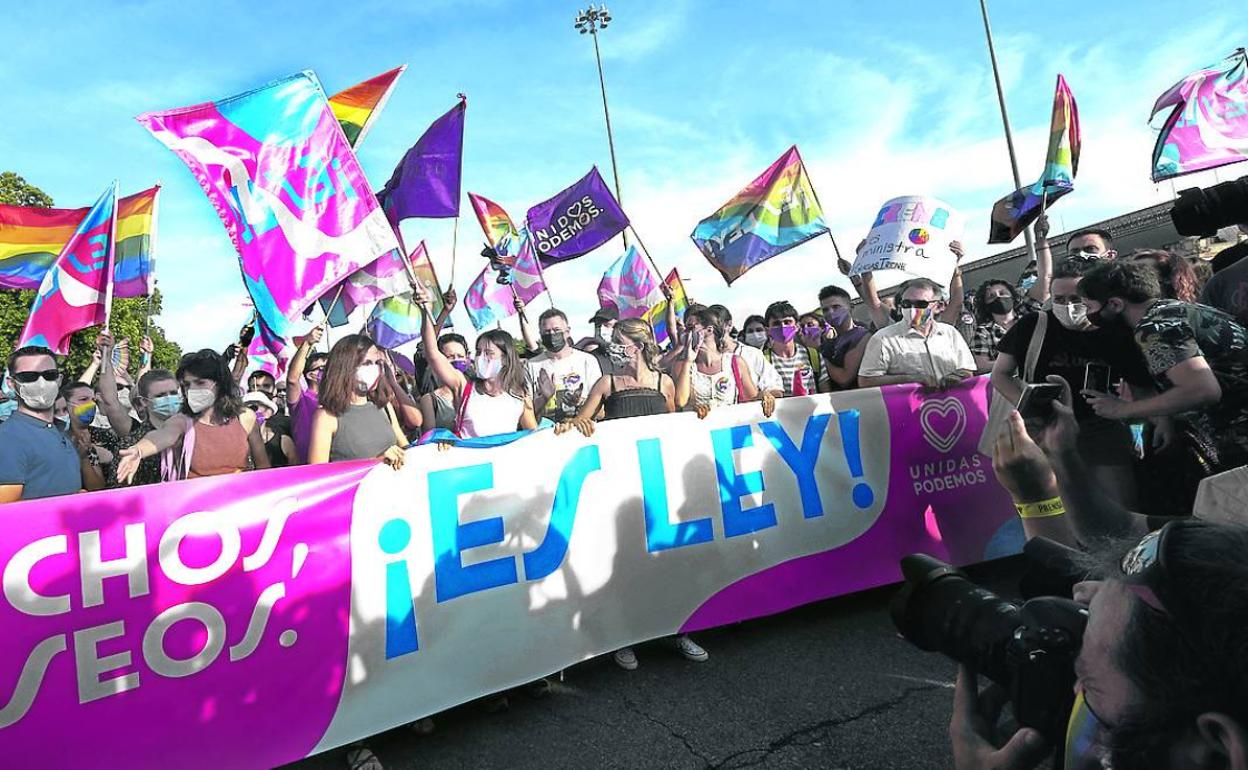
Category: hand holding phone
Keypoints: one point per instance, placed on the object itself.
(1037, 400)
(1096, 376)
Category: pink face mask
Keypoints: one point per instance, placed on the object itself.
(782, 334)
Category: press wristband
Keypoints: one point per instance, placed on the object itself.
(1041, 509)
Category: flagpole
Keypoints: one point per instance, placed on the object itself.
(330, 310)
(151, 252)
(1005, 121)
(112, 263)
(591, 21)
(454, 247)
(658, 274)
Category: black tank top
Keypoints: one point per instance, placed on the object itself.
(634, 402)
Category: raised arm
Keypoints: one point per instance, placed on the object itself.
(957, 295)
(88, 374)
(1039, 290)
(526, 329)
(146, 348)
(294, 373)
(449, 300)
(443, 372)
(118, 416)
(866, 287)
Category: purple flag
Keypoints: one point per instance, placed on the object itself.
(426, 181)
(576, 221)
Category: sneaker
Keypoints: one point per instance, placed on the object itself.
(690, 649)
(539, 689)
(625, 658)
(422, 726)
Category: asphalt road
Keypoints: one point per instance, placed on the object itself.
(829, 685)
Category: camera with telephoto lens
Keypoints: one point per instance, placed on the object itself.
(1028, 648)
(1204, 212)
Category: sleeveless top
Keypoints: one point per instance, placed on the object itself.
(443, 412)
(718, 389)
(482, 415)
(218, 449)
(634, 402)
(363, 432)
(273, 448)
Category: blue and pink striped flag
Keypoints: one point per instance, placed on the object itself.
(394, 321)
(384, 277)
(76, 291)
(488, 301)
(629, 285)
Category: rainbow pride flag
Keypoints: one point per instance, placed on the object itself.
(75, 292)
(1013, 213)
(772, 214)
(657, 315)
(394, 321)
(499, 230)
(31, 238)
(358, 106)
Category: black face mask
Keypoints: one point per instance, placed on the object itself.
(1000, 305)
(1105, 322)
(554, 341)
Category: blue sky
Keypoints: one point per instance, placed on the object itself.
(883, 100)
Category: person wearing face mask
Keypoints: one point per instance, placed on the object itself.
(492, 396)
(765, 375)
(213, 435)
(303, 378)
(1090, 245)
(280, 447)
(754, 332)
(800, 368)
(998, 305)
(1070, 347)
(706, 376)
(843, 352)
(37, 459)
(918, 348)
(356, 419)
(560, 376)
(81, 411)
(437, 406)
(1197, 355)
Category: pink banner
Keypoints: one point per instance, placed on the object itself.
(254, 619)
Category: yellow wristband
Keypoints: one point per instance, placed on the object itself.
(1041, 509)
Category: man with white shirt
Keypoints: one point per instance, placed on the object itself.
(560, 376)
(918, 348)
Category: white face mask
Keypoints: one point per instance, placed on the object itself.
(366, 376)
(199, 399)
(38, 395)
(487, 368)
(1073, 316)
(755, 339)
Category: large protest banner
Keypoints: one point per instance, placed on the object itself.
(250, 620)
(912, 233)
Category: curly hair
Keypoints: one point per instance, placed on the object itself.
(1178, 279)
(1123, 278)
(208, 364)
(982, 314)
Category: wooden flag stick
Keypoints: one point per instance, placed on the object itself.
(658, 274)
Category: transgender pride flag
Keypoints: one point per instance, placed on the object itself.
(629, 285)
(76, 292)
(489, 301)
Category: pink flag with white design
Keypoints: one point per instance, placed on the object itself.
(629, 285)
(76, 292)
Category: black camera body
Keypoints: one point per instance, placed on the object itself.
(1029, 648)
(1204, 212)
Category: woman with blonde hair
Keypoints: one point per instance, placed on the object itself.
(636, 388)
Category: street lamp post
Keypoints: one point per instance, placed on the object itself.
(589, 21)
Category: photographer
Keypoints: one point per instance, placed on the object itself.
(1161, 676)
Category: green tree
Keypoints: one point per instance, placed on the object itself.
(129, 316)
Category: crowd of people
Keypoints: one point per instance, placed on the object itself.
(1168, 405)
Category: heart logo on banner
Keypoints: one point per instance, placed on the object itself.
(943, 421)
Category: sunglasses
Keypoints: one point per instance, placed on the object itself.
(50, 375)
(916, 303)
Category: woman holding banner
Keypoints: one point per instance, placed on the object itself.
(356, 418)
(636, 389)
(491, 397)
(214, 434)
(706, 377)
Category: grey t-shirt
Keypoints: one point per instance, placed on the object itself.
(39, 456)
(363, 431)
